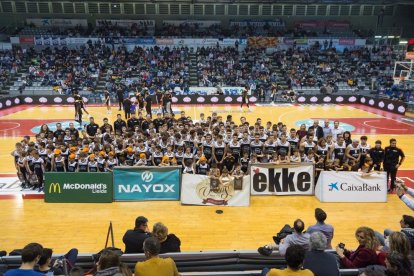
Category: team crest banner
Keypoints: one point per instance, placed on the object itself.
(271, 179)
(203, 190)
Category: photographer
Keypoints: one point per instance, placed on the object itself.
(46, 264)
(402, 188)
(364, 255)
(134, 239)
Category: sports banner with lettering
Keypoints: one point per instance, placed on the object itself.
(351, 187)
(202, 190)
(146, 183)
(78, 187)
(271, 179)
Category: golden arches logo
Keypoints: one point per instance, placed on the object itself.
(54, 188)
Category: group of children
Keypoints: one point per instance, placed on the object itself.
(210, 144)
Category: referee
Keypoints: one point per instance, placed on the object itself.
(393, 158)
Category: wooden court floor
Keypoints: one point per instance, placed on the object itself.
(62, 226)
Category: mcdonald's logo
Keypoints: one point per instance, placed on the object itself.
(54, 188)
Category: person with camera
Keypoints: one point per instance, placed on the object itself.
(364, 255)
(56, 267)
(297, 238)
(401, 190)
(31, 254)
(317, 256)
(134, 239)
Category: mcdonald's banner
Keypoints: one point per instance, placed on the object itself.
(262, 42)
(147, 183)
(78, 187)
(203, 190)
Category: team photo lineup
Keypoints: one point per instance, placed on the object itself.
(196, 138)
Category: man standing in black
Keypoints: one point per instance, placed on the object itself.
(92, 128)
(393, 158)
(105, 126)
(134, 239)
(127, 108)
(119, 124)
(148, 103)
(377, 155)
(59, 131)
(120, 95)
(132, 122)
(318, 130)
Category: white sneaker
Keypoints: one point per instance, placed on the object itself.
(272, 103)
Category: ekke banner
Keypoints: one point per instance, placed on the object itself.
(271, 179)
(78, 187)
(146, 183)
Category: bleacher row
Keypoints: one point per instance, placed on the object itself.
(200, 263)
(274, 74)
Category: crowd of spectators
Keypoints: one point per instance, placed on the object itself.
(320, 66)
(306, 253)
(10, 63)
(106, 28)
(80, 70)
(227, 66)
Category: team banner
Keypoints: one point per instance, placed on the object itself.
(146, 183)
(203, 190)
(78, 187)
(351, 187)
(271, 179)
(262, 42)
(57, 22)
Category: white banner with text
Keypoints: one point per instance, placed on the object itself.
(351, 187)
(272, 179)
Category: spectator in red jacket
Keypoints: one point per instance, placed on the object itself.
(365, 254)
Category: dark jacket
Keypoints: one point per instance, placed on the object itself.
(314, 259)
(318, 131)
(171, 244)
(409, 232)
(134, 241)
(361, 257)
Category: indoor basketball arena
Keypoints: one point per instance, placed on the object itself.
(158, 138)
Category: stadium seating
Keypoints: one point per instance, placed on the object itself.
(217, 263)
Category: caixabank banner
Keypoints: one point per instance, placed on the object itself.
(271, 179)
(147, 183)
(78, 187)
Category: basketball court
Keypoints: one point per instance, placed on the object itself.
(62, 226)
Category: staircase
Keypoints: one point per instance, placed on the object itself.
(193, 69)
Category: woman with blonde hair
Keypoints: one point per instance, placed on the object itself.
(365, 254)
(169, 242)
(398, 242)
